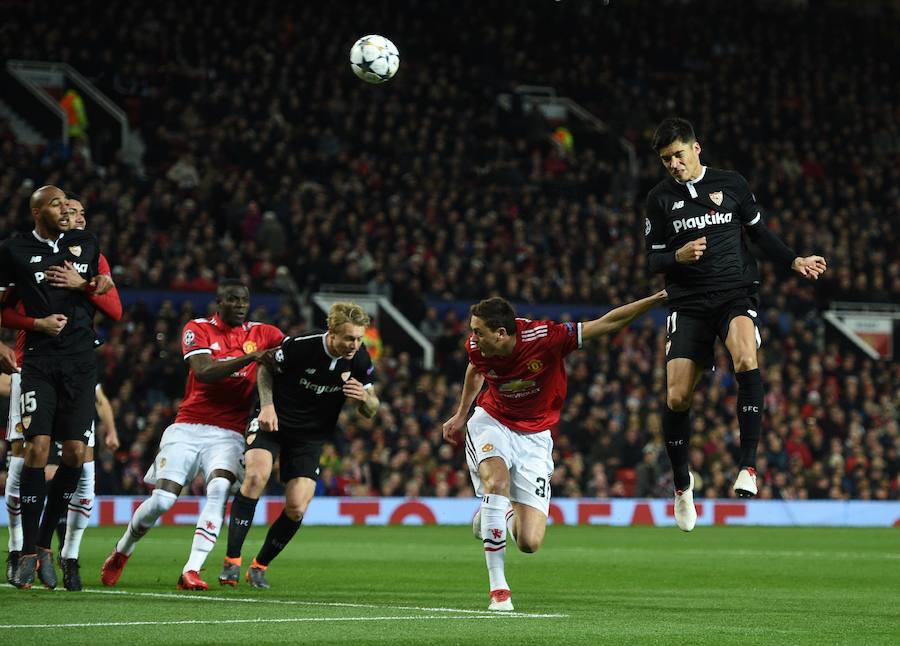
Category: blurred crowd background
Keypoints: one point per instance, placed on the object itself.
(265, 158)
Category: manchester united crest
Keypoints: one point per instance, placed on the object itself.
(716, 197)
(75, 250)
(249, 346)
(535, 365)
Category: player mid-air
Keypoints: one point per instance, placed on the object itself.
(699, 220)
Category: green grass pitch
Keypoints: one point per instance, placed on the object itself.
(428, 585)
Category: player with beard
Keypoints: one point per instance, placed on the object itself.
(223, 353)
(72, 525)
(59, 372)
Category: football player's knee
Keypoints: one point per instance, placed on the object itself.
(254, 482)
(295, 509)
(73, 454)
(496, 483)
(37, 451)
(529, 543)
(678, 398)
(162, 501)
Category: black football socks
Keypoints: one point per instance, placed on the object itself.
(32, 493)
(280, 534)
(749, 414)
(58, 495)
(242, 511)
(677, 431)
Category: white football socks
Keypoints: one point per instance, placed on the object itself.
(13, 504)
(79, 514)
(209, 524)
(144, 518)
(493, 534)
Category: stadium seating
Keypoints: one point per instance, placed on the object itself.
(268, 159)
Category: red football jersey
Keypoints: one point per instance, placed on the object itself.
(527, 388)
(225, 403)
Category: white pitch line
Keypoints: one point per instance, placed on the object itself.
(320, 604)
(183, 622)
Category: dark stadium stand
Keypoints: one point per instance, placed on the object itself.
(267, 159)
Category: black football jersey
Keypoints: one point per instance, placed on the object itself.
(718, 205)
(307, 389)
(24, 260)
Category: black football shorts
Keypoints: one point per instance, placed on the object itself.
(298, 458)
(58, 396)
(694, 323)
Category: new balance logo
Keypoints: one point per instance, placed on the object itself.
(310, 371)
(679, 204)
(35, 259)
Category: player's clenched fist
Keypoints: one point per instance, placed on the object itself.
(691, 252)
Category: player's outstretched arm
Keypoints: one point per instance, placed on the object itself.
(208, 371)
(472, 385)
(616, 319)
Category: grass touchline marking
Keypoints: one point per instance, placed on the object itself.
(326, 604)
(482, 615)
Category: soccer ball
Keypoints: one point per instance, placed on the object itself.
(374, 59)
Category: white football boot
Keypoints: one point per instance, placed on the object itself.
(745, 483)
(685, 512)
(501, 600)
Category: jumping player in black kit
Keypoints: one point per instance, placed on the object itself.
(299, 408)
(59, 373)
(698, 223)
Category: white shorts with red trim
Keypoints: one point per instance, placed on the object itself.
(528, 456)
(188, 449)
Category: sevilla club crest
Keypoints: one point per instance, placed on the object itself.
(717, 198)
(75, 250)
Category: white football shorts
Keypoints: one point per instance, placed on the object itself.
(528, 456)
(14, 419)
(188, 449)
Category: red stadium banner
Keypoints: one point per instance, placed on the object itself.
(117, 510)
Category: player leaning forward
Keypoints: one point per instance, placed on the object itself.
(207, 436)
(508, 443)
(299, 408)
(697, 220)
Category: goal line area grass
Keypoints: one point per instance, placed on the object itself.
(428, 585)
